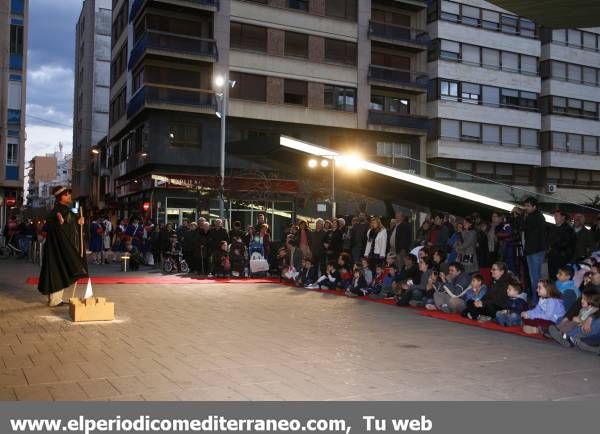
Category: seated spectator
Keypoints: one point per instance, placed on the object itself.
(237, 255)
(473, 297)
(413, 291)
(295, 254)
(410, 271)
(367, 272)
(450, 290)
(358, 285)
(439, 259)
(515, 305)
(345, 269)
(567, 330)
(283, 263)
(308, 273)
(328, 280)
(497, 297)
(376, 287)
(566, 286)
(222, 262)
(548, 311)
(135, 257)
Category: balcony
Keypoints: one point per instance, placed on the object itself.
(409, 38)
(168, 44)
(172, 98)
(415, 82)
(208, 5)
(398, 120)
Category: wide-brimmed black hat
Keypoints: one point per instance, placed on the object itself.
(59, 190)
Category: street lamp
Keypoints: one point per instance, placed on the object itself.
(222, 84)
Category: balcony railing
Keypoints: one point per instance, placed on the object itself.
(138, 5)
(399, 33)
(398, 120)
(171, 43)
(398, 76)
(156, 95)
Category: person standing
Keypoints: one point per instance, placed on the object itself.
(584, 239)
(534, 231)
(358, 237)
(561, 244)
(63, 261)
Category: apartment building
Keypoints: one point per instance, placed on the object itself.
(13, 72)
(513, 103)
(45, 173)
(344, 73)
(91, 93)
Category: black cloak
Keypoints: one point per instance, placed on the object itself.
(62, 263)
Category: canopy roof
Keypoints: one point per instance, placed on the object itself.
(555, 13)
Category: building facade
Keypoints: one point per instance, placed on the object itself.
(454, 91)
(13, 76)
(514, 103)
(45, 173)
(92, 88)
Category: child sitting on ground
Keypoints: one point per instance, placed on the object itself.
(345, 270)
(515, 305)
(368, 273)
(358, 285)
(474, 296)
(328, 280)
(549, 310)
(567, 330)
(222, 262)
(237, 254)
(308, 273)
(566, 286)
(376, 287)
(135, 257)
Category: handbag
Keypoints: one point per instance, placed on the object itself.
(466, 259)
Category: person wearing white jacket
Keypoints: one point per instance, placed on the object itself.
(376, 246)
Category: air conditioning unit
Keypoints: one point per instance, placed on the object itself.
(550, 188)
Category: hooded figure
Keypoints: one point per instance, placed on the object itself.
(62, 262)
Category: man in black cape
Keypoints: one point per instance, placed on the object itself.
(62, 261)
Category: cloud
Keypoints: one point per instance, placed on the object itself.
(45, 139)
(50, 95)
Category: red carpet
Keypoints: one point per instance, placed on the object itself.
(172, 280)
(490, 325)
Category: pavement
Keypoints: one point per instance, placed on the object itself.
(265, 342)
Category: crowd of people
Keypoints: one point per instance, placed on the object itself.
(483, 270)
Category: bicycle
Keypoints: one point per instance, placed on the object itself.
(9, 250)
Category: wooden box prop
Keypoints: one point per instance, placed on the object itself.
(91, 309)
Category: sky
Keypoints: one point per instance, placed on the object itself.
(50, 75)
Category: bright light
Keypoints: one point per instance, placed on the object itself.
(312, 163)
(324, 163)
(308, 148)
(219, 81)
(350, 162)
(171, 136)
(144, 154)
(218, 114)
(95, 151)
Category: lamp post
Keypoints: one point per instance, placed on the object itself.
(222, 83)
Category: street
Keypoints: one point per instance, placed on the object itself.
(265, 341)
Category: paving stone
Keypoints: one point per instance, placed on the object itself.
(67, 392)
(98, 389)
(37, 392)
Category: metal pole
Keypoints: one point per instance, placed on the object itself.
(333, 204)
(223, 124)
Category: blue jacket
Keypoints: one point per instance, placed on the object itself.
(470, 294)
(567, 285)
(517, 304)
(551, 309)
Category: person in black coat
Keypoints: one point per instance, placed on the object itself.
(63, 261)
(215, 236)
(201, 252)
(496, 297)
(188, 243)
(533, 225)
(561, 244)
(317, 238)
(358, 237)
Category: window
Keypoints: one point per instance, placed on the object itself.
(450, 50)
(471, 54)
(529, 138)
(398, 105)
(575, 143)
(470, 15)
(589, 75)
(449, 90)
(16, 39)
(559, 35)
(490, 57)
(509, 24)
(526, 28)
(377, 103)
(185, 135)
(529, 64)
(340, 51)
(590, 145)
(574, 72)
(528, 100)
(339, 98)
(248, 37)
(249, 86)
(138, 80)
(345, 9)
(301, 5)
(510, 61)
(574, 107)
(470, 93)
(559, 70)
(510, 97)
(510, 136)
(574, 37)
(491, 96)
(295, 92)
(559, 141)
(589, 41)
(12, 154)
(590, 109)
(490, 19)
(296, 44)
(491, 134)
(450, 129)
(13, 116)
(465, 168)
(470, 131)
(450, 11)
